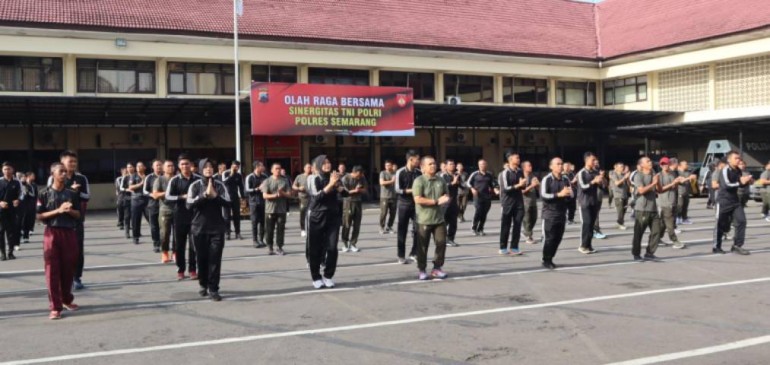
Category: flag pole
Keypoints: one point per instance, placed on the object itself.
(236, 10)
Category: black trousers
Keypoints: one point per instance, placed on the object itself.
(27, 218)
(322, 237)
(233, 213)
(208, 249)
(406, 213)
(153, 214)
(257, 216)
(571, 208)
(9, 231)
(121, 211)
(588, 214)
(80, 231)
(182, 234)
(482, 206)
(726, 216)
(511, 219)
(138, 209)
(450, 217)
(125, 205)
(553, 231)
(302, 213)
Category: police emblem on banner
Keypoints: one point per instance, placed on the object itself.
(401, 99)
(264, 96)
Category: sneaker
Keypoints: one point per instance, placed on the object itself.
(600, 235)
(261, 245)
(481, 233)
(71, 307)
(678, 231)
(238, 236)
(271, 252)
(728, 237)
(203, 292)
(767, 219)
(318, 284)
(344, 247)
(515, 252)
(569, 223)
(739, 250)
(193, 275)
(438, 273)
(475, 232)
(422, 276)
(229, 237)
(402, 261)
(54, 315)
(3, 257)
(549, 265)
(382, 231)
(413, 257)
(530, 240)
(686, 221)
(678, 221)
(26, 240)
(353, 248)
(17, 248)
(664, 243)
(329, 283)
(303, 233)
(136, 241)
(77, 284)
(679, 245)
(11, 256)
(650, 256)
(180, 276)
(718, 250)
(585, 250)
(504, 252)
(389, 230)
(215, 297)
(452, 243)
(622, 227)
(164, 259)
(280, 252)
(638, 258)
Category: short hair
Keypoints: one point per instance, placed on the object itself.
(510, 153)
(358, 168)
(449, 160)
(588, 155)
(732, 152)
(389, 161)
(222, 163)
(156, 160)
(526, 163)
(183, 156)
(275, 164)
(639, 161)
(68, 153)
(673, 161)
(411, 153)
(236, 163)
(7, 163)
(426, 157)
(167, 161)
(618, 163)
(54, 165)
(257, 163)
(29, 173)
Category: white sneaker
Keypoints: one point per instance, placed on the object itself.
(767, 219)
(17, 248)
(318, 284)
(353, 248)
(303, 234)
(621, 227)
(327, 282)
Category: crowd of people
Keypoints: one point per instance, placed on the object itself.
(193, 207)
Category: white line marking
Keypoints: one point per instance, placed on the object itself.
(380, 324)
(697, 352)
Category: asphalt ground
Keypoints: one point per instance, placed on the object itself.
(691, 307)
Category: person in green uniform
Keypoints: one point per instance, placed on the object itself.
(355, 184)
(669, 188)
(619, 186)
(276, 192)
(530, 201)
(430, 193)
(647, 184)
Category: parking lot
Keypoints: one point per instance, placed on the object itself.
(691, 307)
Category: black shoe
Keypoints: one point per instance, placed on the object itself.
(549, 265)
(650, 256)
(482, 233)
(717, 250)
(215, 297)
(228, 237)
(261, 245)
(203, 292)
(11, 256)
(475, 232)
(3, 257)
(255, 244)
(77, 284)
(238, 236)
(128, 236)
(638, 258)
(136, 241)
(739, 250)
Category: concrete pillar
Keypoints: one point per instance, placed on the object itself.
(70, 78)
(161, 77)
(712, 87)
(551, 92)
(497, 87)
(439, 85)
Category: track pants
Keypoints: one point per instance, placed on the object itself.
(553, 232)
(766, 202)
(530, 218)
(208, 249)
(462, 203)
(482, 206)
(275, 224)
(153, 213)
(620, 208)
(233, 214)
(735, 215)
(257, 216)
(668, 218)
(588, 215)
(137, 211)
(511, 219)
(682, 206)
(406, 213)
(450, 217)
(166, 222)
(323, 231)
(351, 222)
(60, 253)
(182, 234)
(424, 232)
(387, 213)
(646, 220)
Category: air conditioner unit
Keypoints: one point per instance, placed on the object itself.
(460, 137)
(453, 100)
(362, 140)
(135, 138)
(320, 139)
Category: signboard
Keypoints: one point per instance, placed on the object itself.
(309, 110)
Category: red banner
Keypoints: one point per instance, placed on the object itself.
(304, 109)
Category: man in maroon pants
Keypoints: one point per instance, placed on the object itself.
(59, 209)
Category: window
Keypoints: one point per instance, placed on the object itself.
(338, 76)
(422, 83)
(575, 93)
(201, 78)
(267, 73)
(469, 88)
(30, 74)
(628, 90)
(529, 91)
(113, 76)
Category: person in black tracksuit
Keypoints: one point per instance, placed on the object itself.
(323, 221)
(511, 181)
(153, 205)
(453, 181)
(10, 200)
(405, 177)
(123, 197)
(206, 197)
(233, 180)
(483, 186)
(177, 191)
(728, 205)
(555, 191)
(569, 172)
(28, 205)
(257, 204)
(589, 182)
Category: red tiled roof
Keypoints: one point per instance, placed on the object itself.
(556, 28)
(632, 26)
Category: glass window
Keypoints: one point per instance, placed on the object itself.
(528, 91)
(422, 83)
(469, 88)
(267, 73)
(30, 74)
(628, 90)
(113, 76)
(338, 76)
(575, 93)
(201, 78)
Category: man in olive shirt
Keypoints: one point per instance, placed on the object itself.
(166, 210)
(619, 185)
(647, 184)
(454, 182)
(276, 192)
(387, 197)
(430, 193)
(764, 182)
(356, 185)
(669, 183)
(685, 189)
(462, 191)
(530, 201)
(300, 186)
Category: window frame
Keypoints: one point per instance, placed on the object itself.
(457, 85)
(537, 91)
(136, 69)
(627, 81)
(18, 64)
(279, 71)
(221, 74)
(422, 83)
(563, 85)
(338, 75)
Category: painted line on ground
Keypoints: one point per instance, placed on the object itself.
(697, 352)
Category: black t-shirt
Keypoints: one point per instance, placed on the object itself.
(483, 183)
(51, 199)
(207, 212)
